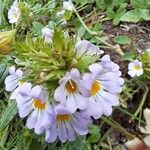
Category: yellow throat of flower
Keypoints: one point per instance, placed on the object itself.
(96, 87)
(71, 87)
(63, 117)
(38, 104)
(137, 67)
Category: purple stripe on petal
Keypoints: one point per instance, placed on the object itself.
(62, 132)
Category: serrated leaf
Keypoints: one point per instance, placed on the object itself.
(7, 115)
(85, 61)
(122, 40)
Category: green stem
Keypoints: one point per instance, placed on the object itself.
(118, 127)
(95, 33)
(142, 103)
(129, 114)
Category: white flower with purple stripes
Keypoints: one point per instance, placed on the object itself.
(13, 81)
(101, 87)
(33, 102)
(67, 125)
(68, 92)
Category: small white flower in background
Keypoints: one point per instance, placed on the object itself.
(135, 68)
(47, 34)
(148, 50)
(60, 13)
(67, 6)
(14, 13)
(135, 143)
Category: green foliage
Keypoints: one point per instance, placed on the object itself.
(122, 40)
(3, 72)
(143, 4)
(24, 141)
(136, 15)
(145, 58)
(114, 9)
(95, 135)
(85, 61)
(47, 63)
(117, 10)
(80, 143)
(37, 27)
(7, 115)
(129, 56)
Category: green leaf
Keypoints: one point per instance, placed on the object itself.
(85, 61)
(67, 15)
(122, 40)
(94, 134)
(131, 16)
(145, 14)
(37, 27)
(129, 56)
(79, 144)
(94, 138)
(7, 115)
(94, 129)
(140, 4)
(3, 72)
(136, 15)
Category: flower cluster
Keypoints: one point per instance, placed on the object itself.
(76, 99)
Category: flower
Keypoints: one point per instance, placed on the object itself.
(135, 68)
(85, 47)
(67, 125)
(146, 130)
(33, 102)
(136, 143)
(68, 92)
(14, 13)
(67, 6)
(13, 81)
(101, 86)
(47, 34)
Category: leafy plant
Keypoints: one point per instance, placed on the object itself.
(114, 9)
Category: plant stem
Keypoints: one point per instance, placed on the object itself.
(95, 33)
(129, 114)
(142, 103)
(118, 127)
